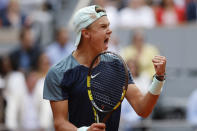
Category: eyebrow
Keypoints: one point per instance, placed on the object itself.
(100, 24)
(105, 23)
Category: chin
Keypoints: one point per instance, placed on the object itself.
(105, 48)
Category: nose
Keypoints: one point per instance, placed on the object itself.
(109, 31)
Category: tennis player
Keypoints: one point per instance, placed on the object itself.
(65, 83)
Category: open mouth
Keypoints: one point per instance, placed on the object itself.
(106, 40)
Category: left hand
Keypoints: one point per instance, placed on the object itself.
(159, 63)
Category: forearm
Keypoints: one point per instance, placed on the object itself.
(64, 126)
(149, 100)
(146, 104)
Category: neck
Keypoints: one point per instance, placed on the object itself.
(84, 54)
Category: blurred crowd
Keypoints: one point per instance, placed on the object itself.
(122, 13)
(149, 13)
(23, 69)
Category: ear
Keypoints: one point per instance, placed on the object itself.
(85, 33)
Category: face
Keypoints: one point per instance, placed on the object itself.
(133, 67)
(135, 4)
(138, 40)
(168, 2)
(13, 6)
(62, 37)
(27, 40)
(99, 34)
(43, 63)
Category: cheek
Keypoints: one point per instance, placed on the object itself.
(97, 37)
(101, 36)
(96, 45)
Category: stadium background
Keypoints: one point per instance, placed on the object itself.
(176, 41)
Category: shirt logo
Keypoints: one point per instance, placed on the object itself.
(93, 76)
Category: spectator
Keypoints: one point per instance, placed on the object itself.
(25, 56)
(12, 16)
(180, 3)
(142, 81)
(192, 110)
(5, 71)
(5, 65)
(14, 85)
(42, 19)
(3, 4)
(60, 48)
(141, 52)
(42, 69)
(137, 14)
(168, 14)
(140, 78)
(26, 110)
(128, 118)
(1, 74)
(191, 10)
(2, 87)
(43, 65)
(29, 6)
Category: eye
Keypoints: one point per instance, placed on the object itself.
(104, 26)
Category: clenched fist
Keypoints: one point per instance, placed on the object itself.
(159, 63)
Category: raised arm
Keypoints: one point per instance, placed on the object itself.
(144, 104)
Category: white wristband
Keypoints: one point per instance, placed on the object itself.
(83, 128)
(156, 86)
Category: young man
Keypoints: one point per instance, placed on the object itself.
(65, 84)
